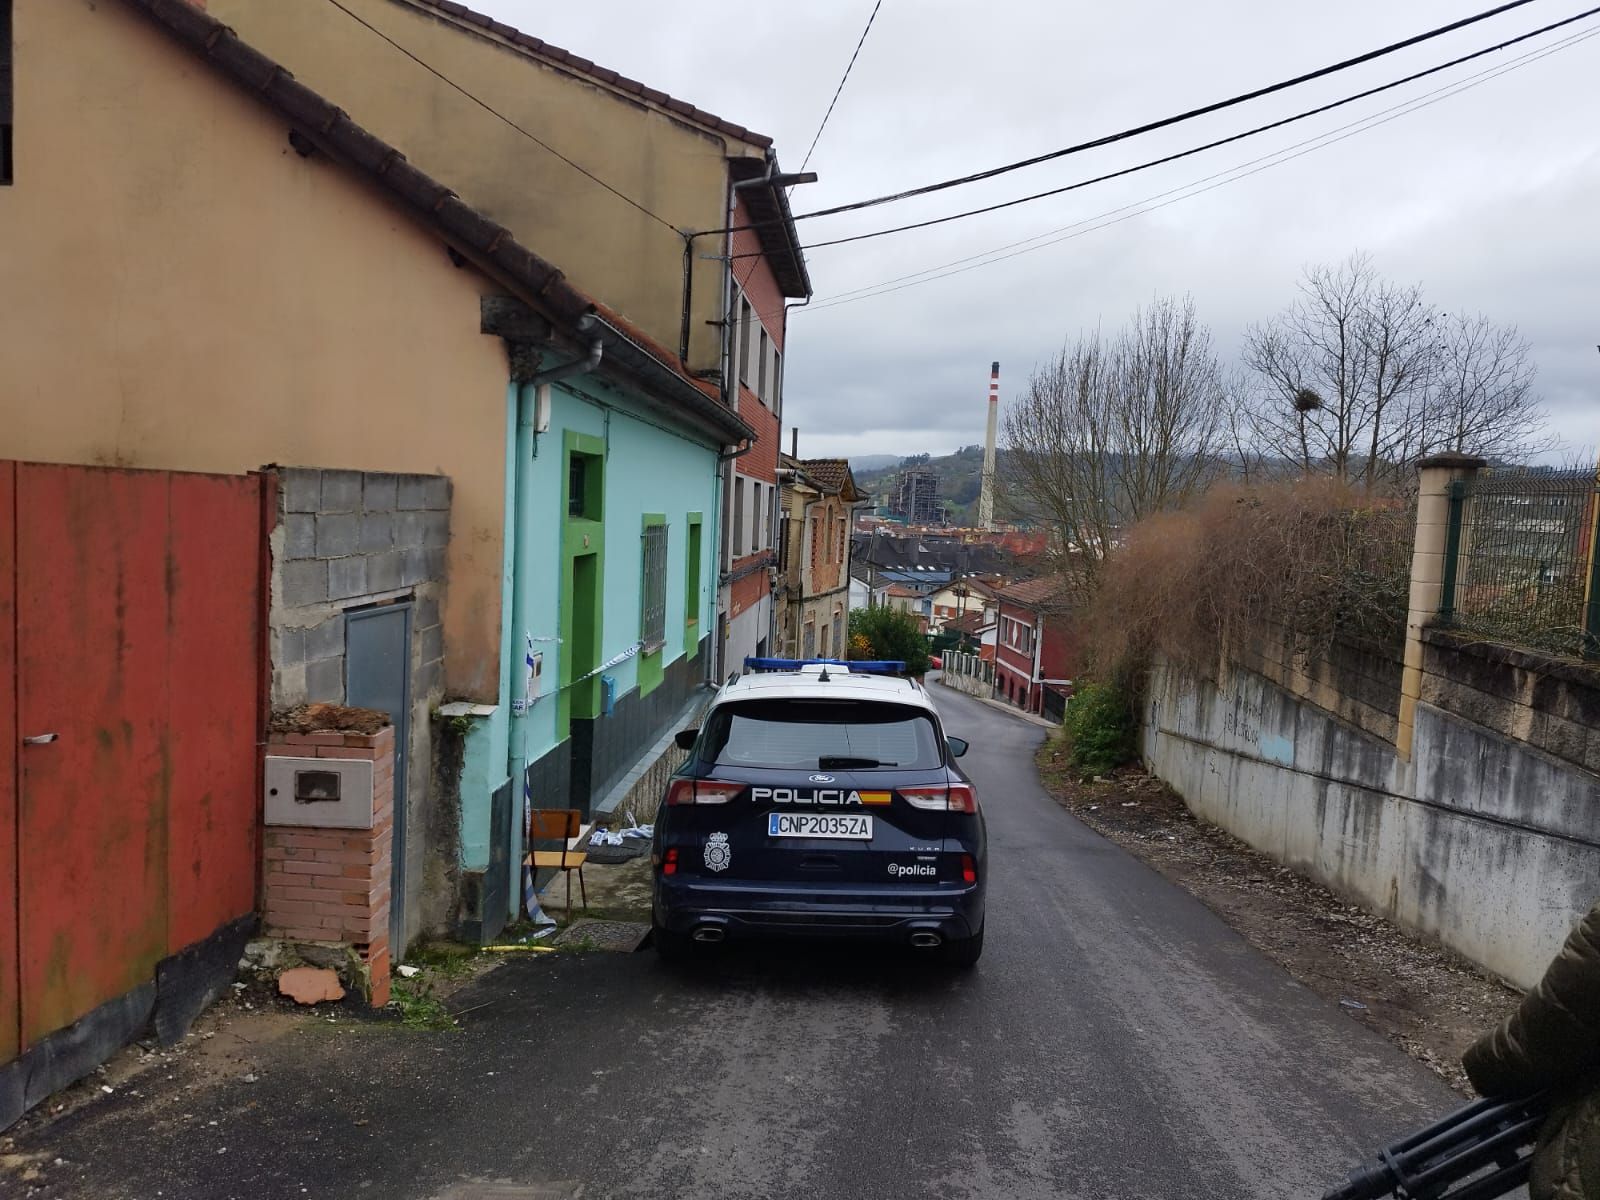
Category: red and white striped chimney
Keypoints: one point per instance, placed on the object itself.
(986, 496)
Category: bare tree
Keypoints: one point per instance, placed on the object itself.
(1340, 370)
(1360, 376)
(1113, 429)
(1482, 399)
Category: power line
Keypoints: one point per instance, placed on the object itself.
(848, 67)
(1316, 142)
(1166, 122)
(1212, 145)
(501, 116)
(1190, 190)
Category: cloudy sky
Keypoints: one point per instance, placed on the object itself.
(1487, 197)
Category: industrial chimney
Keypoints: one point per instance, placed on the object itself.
(986, 496)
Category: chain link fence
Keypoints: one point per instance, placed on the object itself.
(1520, 563)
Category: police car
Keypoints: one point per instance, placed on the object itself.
(821, 798)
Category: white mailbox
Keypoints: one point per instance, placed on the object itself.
(335, 792)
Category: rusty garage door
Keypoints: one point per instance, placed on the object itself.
(130, 618)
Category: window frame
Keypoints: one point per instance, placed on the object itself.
(654, 546)
(694, 569)
(746, 315)
(738, 516)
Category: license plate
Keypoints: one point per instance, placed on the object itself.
(819, 825)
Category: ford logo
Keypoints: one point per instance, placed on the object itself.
(821, 778)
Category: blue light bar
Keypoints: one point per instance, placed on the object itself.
(874, 667)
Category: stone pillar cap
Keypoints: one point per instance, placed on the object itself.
(1453, 458)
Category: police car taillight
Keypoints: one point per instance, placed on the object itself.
(969, 869)
(957, 797)
(701, 791)
(669, 865)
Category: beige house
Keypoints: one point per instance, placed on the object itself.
(208, 266)
(813, 592)
(183, 290)
(676, 219)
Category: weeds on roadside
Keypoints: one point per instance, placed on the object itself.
(420, 1007)
(1099, 729)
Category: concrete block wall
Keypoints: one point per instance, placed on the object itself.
(1358, 682)
(1550, 704)
(347, 540)
(1481, 839)
(331, 886)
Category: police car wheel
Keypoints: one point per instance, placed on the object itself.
(965, 953)
(671, 947)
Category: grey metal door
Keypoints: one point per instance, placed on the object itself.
(377, 664)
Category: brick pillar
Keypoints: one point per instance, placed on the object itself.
(331, 886)
(1434, 477)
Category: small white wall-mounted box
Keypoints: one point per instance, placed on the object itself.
(332, 792)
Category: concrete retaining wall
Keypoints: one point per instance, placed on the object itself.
(1488, 843)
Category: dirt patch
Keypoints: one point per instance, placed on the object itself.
(1428, 1001)
(328, 718)
(231, 1040)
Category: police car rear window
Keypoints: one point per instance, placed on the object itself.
(810, 735)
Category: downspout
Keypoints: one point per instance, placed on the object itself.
(523, 569)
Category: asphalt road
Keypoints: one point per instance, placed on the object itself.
(1117, 1041)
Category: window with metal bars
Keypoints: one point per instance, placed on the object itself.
(653, 592)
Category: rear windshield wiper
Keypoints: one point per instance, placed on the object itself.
(845, 762)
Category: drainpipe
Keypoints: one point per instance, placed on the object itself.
(530, 415)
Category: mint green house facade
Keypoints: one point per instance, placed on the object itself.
(613, 485)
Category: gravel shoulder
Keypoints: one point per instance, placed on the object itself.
(1423, 998)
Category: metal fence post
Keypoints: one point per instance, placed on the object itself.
(1452, 551)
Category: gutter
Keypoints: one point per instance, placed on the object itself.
(701, 408)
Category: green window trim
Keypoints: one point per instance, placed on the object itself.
(583, 537)
(652, 600)
(693, 579)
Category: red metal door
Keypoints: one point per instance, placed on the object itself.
(137, 621)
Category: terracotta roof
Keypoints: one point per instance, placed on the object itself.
(972, 622)
(316, 124)
(538, 48)
(832, 474)
(900, 589)
(1044, 592)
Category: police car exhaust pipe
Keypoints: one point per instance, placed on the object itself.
(708, 933)
(925, 940)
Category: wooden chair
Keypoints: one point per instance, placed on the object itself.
(558, 824)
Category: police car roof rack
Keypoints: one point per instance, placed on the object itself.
(859, 667)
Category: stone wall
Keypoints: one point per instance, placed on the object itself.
(348, 540)
(1550, 704)
(1359, 682)
(1483, 839)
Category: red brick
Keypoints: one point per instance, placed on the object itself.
(277, 895)
(297, 866)
(324, 909)
(320, 738)
(278, 909)
(349, 752)
(349, 857)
